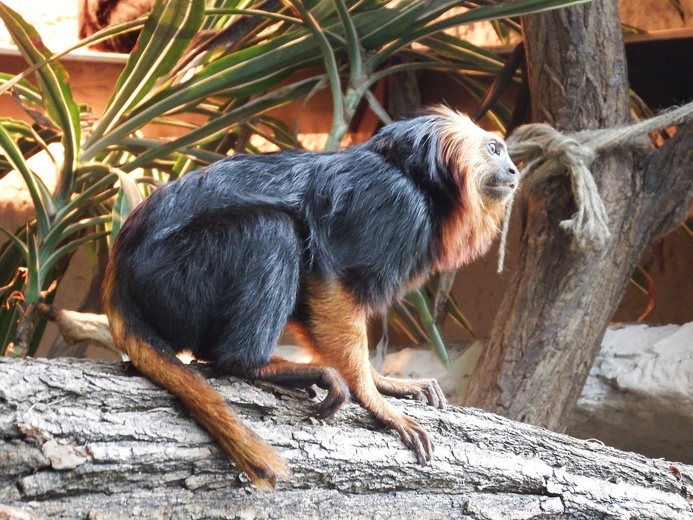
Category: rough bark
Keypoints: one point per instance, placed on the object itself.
(559, 303)
(82, 439)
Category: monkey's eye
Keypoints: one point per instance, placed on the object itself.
(493, 148)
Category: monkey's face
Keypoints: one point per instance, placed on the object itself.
(477, 159)
(500, 179)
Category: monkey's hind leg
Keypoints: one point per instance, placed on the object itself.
(337, 330)
(305, 375)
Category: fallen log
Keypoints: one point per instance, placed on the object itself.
(85, 439)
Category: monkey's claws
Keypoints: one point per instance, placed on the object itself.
(424, 390)
(431, 393)
(416, 439)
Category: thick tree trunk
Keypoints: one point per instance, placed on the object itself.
(559, 303)
(82, 439)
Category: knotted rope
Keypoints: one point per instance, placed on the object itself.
(546, 152)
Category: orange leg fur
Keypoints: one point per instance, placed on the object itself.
(425, 390)
(337, 330)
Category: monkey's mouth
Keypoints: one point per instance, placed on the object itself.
(499, 190)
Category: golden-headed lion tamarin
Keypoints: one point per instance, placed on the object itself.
(219, 261)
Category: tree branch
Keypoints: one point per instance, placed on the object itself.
(668, 183)
(85, 439)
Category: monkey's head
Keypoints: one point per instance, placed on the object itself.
(464, 171)
(445, 151)
(477, 159)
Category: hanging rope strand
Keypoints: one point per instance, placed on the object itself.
(546, 153)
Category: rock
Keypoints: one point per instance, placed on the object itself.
(639, 393)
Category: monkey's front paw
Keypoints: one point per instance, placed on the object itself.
(431, 393)
(415, 438)
(425, 390)
(337, 393)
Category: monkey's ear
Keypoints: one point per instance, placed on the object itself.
(412, 145)
(405, 142)
(384, 145)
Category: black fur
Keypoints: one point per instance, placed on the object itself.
(214, 261)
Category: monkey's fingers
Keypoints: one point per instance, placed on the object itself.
(425, 390)
(432, 394)
(416, 439)
(337, 393)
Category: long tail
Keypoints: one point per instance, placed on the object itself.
(252, 455)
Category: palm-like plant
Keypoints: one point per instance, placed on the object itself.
(261, 56)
